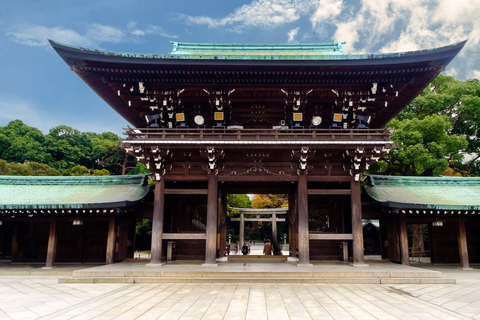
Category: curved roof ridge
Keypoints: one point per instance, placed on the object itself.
(421, 180)
(438, 193)
(252, 55)
(74, 180)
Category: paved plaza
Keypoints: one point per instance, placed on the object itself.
(42, 297)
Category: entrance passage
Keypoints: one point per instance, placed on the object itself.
(272, 216)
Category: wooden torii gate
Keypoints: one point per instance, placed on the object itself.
(272, 217)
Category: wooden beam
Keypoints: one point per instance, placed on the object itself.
(345, 178)
(184, 236)
(462, 243)
(211, 234)
(258, 178)
(186, 191)
(303, 245)
(403, 240)
(357, 227)
(157, 224)
(332, 192)
(110, 254)
(259, 219)
(178, 177)
(331, 236)
(52, 242)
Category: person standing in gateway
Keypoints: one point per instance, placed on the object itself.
(268, 248)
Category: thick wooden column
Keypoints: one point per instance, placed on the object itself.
(292, 223)
(274, 230)
(403, 240)
(110, 255)
(462, 243)
(52, 242)
(122, 240)
(15, 242)
(210, 250)
(357, 227)
(303, 235)
(242, 231)
(157, 223)
(222, 222)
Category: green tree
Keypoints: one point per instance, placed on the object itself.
(459, 101)
(261, 201)
(140, 168)
(41, 169)
(425, 147)
(64, 148)
(69, 147)
(79, 170)
(20, 142)
(238, 201)
(28, 168)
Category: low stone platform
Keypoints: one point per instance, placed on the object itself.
(256, 259)
(228, 272)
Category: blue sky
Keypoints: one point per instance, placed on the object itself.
(37, 87)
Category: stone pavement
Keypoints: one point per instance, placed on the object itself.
(42, 297)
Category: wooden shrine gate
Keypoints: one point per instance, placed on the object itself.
(306, 115)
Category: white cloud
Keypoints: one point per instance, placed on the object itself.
(292, 34)
(326, 11)
(101, 33)
(474, 74)
(151, 29)
(36, 35)
(398, 25)
(95, 34)
(154, 30)
(259, 13)
(453, 72)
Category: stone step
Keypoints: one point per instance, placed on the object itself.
(256, 259)
(217, 279)
(91, 273)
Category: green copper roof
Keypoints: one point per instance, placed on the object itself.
(269, 52)
(71, 192)
(252, 51)
(439, 193)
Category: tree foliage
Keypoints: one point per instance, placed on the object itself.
(425, 147)
(261, 201)
(436, 130)
(238, 201)
(28, 168)
(65, 149)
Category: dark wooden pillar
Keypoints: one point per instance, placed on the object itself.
(303, 234)
(52, 242)
(222, 222)
(242, 231)
(292, 224)
(403, 240)
(212, 202)
(157, 223)
(15, 242)
(274, 230)
(393, 239)
(123, 234)
(357, 228)
(30, 252)
(462, 243)
(80, 241)
(110, 255)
